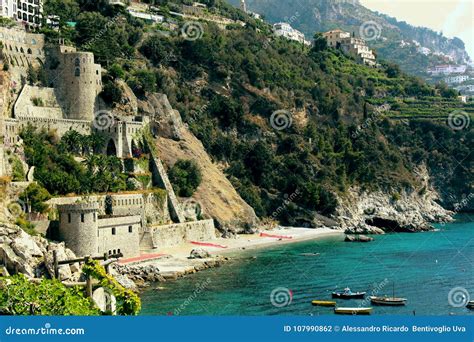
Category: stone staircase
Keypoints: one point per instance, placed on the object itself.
(160, 178)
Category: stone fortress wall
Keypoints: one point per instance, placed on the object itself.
(119, 235)
(144, 203)
(103, 223)
(21, 48)
(77, 80)
(86, 233)
(13, 127)
(175, 234)
(47, 108)
(120, 131)
(79, 226)
(71, 100)
(120, 223)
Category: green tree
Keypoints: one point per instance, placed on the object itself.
(35, 196)
(185, 175)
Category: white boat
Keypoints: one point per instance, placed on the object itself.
(389, 301)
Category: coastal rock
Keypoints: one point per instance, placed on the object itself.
(14, 263)
(363, 228)
(199, 253)
(63, 270)
(191, 210)
(32, 255)
(358, 238)
(25, 247)
(125, 282)
(104, 300)
(410, 210)
(139, 274)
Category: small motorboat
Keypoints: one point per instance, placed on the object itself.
(323, 303)
(348, 294)
(353, 311)
(470, 305)
(393, 301)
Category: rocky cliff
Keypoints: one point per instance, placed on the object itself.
(33, 255)
(216, 196)
(377, 212)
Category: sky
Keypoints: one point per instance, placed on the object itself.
(455, 18)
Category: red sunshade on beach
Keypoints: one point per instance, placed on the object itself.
(206, 244)
(276, 236)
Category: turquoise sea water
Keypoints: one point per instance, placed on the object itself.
(424, 267)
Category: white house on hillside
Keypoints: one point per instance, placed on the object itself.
(28, 12)
(285, 30)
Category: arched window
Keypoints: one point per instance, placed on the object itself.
(77, 72)
(77, 62)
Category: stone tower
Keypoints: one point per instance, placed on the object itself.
(79, 227)
(243, 6)
(76, 79)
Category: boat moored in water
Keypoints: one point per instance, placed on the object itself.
(389, 301)
(348, 294)
(323, 303)
(353, 311)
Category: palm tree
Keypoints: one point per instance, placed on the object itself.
(73, 141)
(91, 161)
(97, 142)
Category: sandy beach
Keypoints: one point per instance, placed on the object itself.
(174, 262)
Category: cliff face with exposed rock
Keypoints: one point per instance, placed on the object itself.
(378, 212)
(216, 196)
(33, 255)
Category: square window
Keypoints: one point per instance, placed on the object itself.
(130, 229)
(114, 231)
